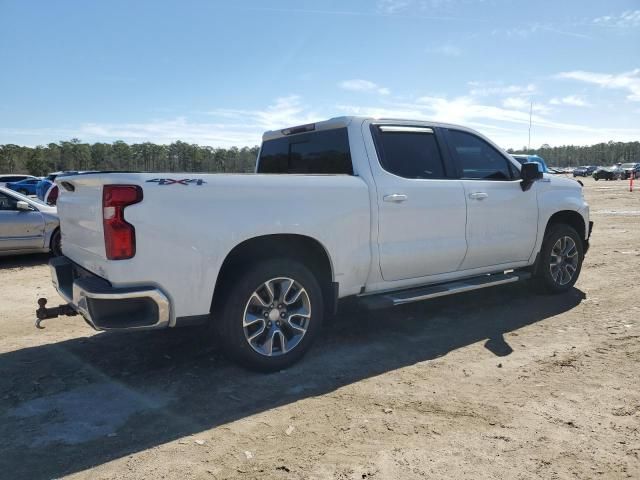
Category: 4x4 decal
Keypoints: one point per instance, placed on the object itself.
(183, 181)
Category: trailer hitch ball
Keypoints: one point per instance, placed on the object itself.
(44, 313)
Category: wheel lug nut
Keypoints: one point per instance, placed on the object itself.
(278, 323)
(283, 314)
(280, 306)
(266, 314)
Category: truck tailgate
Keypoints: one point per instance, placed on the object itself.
(81, 217)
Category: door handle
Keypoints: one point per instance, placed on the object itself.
(478, 195)
(395, 198)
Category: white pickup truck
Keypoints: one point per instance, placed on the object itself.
(390, 211)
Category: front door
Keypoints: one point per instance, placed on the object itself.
(502, 220)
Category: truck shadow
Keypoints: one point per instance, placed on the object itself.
(26, 260)
(76, 404)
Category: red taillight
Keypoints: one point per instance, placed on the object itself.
(52, 195)
(119, 236)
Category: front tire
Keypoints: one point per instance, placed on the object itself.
(270, 315)
(560, 259)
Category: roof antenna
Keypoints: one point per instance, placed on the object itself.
(530, 114)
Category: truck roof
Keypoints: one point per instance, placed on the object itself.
(339, 122)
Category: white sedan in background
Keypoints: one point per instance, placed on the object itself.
(27, 225)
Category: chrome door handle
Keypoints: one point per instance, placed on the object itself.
(395, 198)
(478, 195)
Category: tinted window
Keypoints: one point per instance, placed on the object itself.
(413, 153)
(322, 152)
(7, 202)
(478, 159)
(12, 178)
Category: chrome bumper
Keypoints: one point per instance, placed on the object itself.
(106, 307)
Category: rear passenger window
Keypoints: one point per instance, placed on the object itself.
(409, 152)
(322, 152)
(479, 160)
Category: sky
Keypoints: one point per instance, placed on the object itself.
(221, 72)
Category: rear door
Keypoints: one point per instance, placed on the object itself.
(421, 206)
(502, 220)
(19, 229)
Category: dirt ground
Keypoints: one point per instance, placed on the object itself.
(499, 383)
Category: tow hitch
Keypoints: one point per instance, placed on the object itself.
(44, 313)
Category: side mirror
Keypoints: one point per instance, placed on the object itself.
(24, 206)
(530, 172)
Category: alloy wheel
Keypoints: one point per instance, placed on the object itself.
(277, 316)
(564, 260)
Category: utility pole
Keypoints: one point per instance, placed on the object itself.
(530, 116)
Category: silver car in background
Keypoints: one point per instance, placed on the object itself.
(27, 225)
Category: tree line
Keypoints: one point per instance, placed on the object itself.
(76, 155)
(603, 154)
(186, 157)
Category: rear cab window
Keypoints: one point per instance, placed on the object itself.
(323, 152)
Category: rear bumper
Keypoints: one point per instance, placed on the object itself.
(106, 307)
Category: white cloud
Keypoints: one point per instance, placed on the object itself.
(628, 19)
(485, 90)
(285, 112)
(629, 81)
(359, 85)
(167, 131)
(571, 100)
(232, 126)
(389, 7)
(507, 126)
(447, 50)
(525, 31)
(518, 103)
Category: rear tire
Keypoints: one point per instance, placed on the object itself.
(56, 243)
(269, 315)
(560, 259)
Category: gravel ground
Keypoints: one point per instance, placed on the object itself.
(499, 383)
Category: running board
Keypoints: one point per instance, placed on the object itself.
(400, 297)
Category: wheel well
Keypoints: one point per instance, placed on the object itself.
(299, 247)
(571, 218)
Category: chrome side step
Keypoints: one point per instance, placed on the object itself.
(400, 297)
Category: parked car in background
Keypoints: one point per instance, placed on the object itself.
(630, 169)
(44, 185)
(584, 171)
(27, 225)
(25, 187)
(522, 159)
(608, 173)
(428, 209)
(4, 179)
